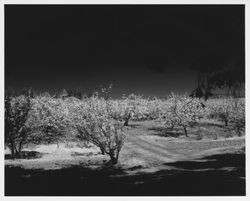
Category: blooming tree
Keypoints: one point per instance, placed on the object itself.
(16, 131)
(224, 109)
(48, 119)
(182, 111)
(94, 124)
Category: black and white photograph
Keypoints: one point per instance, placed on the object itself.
(124, 100)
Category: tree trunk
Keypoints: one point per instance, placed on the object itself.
(226, 122)
(17, 153)
(185, 130)
(126, 122)
(114, 159)
(20, 147)
(13, 154)
(238, 131)
(102, 151)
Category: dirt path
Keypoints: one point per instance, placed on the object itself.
(153, 150)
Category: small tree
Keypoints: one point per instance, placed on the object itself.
(237, 116)
(16, 114)
(48, 119)
(132, 108)
(106, 135)
(94, 124)
(222, 109)
(154, 108)
(119, 110)
(182, 111)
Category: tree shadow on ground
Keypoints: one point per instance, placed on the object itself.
(215, 161)
(166, 132)
(210, 176)
(134, 125)
(26, 155)
(84, 154)
(207, 124)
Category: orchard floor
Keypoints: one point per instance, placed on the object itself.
(153, 161)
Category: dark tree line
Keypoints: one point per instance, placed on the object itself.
(218, 72)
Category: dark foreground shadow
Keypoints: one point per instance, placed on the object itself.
(218, 175)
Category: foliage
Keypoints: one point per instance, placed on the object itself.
(225, 109)
(134, 108)
(182, 111)
(48, 119)
(106, 92)
(238, 117)
(77, 93)
(95, 125)
(16, 114)
(98, 119)
(155, 108)
(216, 71)
(229, 110)
(121, 110)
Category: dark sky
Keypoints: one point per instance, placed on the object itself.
(141, 49)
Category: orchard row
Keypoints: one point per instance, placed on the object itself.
(101, 120)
